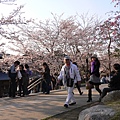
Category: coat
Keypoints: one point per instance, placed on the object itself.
(74, 73)
(95, 69)
(46, 75)
(115, 81)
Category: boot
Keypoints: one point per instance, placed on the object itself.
(89, 95)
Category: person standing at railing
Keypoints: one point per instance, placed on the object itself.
(22, 76)
(13, 74)
(47, 78)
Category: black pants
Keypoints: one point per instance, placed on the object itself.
(12, 87)
(78, 87)
(1, 89)
(43, 86)
(106, 90)
(21, 87)
(46, 87)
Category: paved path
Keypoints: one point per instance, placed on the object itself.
(39, 106)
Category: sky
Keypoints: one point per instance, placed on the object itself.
(42, 9)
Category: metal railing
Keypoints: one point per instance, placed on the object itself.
(34, 84)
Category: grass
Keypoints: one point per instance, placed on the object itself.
(116, 106)
(73, 114)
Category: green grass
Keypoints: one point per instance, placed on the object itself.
(116, 106)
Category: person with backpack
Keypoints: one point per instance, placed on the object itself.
(69, 74)
(13, 75)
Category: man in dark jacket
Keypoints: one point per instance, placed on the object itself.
(47, 78)
(114, 83)
(13, 75)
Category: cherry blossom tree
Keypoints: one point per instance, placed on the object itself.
(5, 22)
(78, 36)
(50, 40)
(108, 34)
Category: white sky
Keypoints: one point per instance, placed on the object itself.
(42, 9)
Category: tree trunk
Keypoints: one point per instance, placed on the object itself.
(109, 56)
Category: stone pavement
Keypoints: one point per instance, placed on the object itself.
(40, 106)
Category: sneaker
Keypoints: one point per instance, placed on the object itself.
(73, 103)
(89, 100)
(65, 105)
(81, 93)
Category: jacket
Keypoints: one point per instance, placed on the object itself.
(74, 73)
(46, 75)
(115, 81)
(95, 71)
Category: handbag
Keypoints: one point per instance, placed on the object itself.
(89, 86)
(70, 82)
(19, 75)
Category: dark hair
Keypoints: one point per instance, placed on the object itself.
(26, 66)
(45, 64)
(22, 66)
(75, 63)
(17, 62)
(112, 73)
(116, 66)
(97, 61)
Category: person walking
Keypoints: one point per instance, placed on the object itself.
(13, 75)
(94, 76)
(77, 84)
(114, 83)
(69, 74)
(47, 79)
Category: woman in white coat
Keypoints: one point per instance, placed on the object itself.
(69, 74)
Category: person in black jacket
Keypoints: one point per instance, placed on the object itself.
(47, 78)
(23, 81)
(114, 83)
(94, 76)
(13, 75)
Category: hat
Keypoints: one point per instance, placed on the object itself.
(94, 56)
(66, 58)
